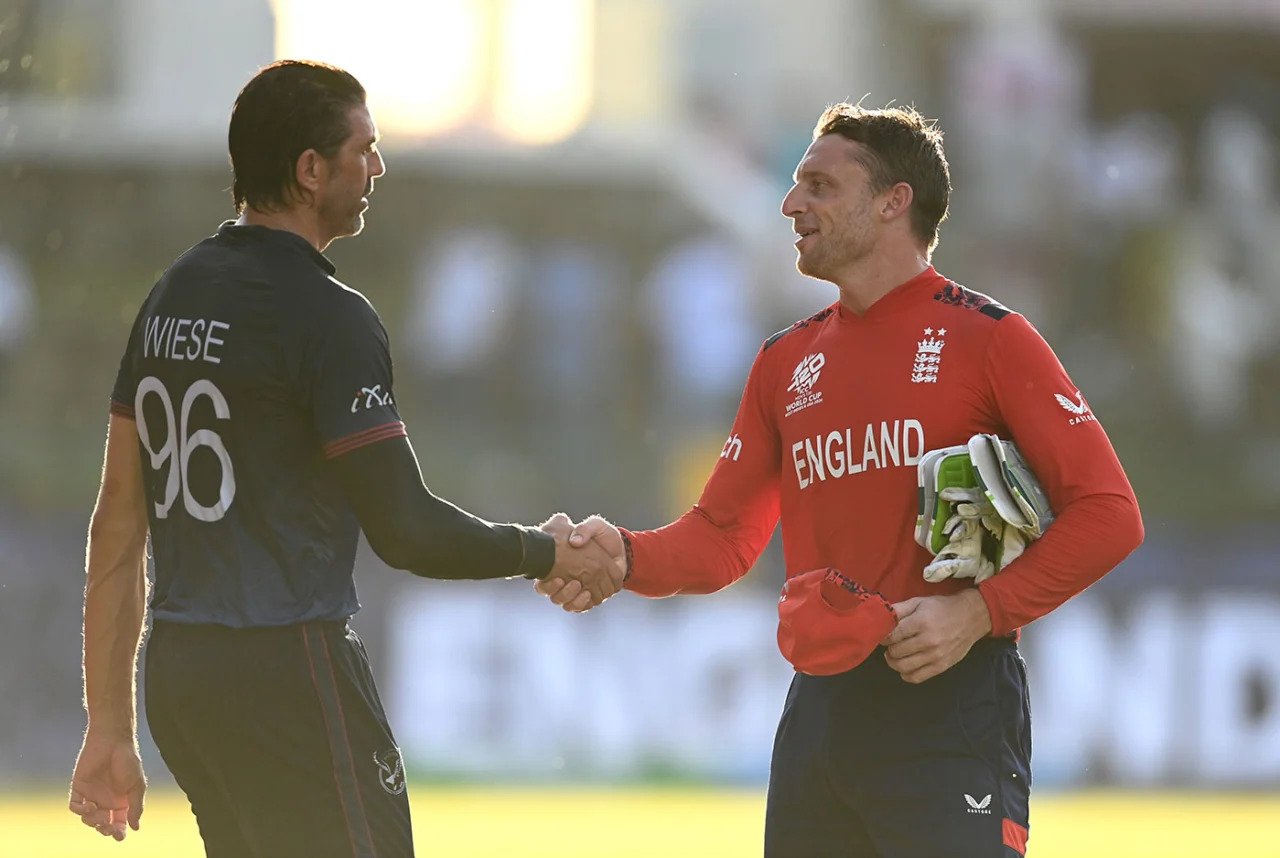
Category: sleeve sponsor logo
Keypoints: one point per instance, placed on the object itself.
(371, 396)
(1078, 408)
(732, 448)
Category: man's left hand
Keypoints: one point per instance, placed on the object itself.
(935, 632)
(108, 785)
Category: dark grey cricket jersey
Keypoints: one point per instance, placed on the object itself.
(247, 367)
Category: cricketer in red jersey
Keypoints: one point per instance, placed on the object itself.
(836, 413)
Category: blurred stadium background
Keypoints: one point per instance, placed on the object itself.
(577, 250)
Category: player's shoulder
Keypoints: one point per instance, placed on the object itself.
(801, 330)
(971, 304)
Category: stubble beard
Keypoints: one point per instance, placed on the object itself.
(825, 265)
(348, 223)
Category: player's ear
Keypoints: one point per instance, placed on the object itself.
(309, 171)
(896, 201)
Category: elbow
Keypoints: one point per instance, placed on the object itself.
(414, 548)
(391, 549)
(1125, 525)
(1137, 532)
(108, 527)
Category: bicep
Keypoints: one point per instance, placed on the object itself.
(378, 479)
(1049, 418)
(744, 482)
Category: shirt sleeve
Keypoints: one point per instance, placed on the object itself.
(347, 377)
(1097, 520)
(126, 386)
(717, 541)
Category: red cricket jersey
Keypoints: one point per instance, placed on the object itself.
(838, 410)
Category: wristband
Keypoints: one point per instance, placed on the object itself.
(628, 556)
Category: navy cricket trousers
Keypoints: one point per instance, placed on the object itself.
(866, 765)
(279, 740)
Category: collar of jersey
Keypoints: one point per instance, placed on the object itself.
(901, 297)
(278, 237)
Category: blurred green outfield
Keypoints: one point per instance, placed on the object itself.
(462, 822)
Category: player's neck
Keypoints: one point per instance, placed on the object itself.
(297, 220)
(876, 275)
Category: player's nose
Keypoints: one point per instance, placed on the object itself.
(792, 202)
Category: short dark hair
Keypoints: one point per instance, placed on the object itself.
(900, 146)
(287, 108)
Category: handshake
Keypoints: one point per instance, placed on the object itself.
(590, 566)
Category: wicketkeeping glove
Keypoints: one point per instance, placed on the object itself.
(980, 543)
(980, 505)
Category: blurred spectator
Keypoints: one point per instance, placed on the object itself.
(704, 330)
(462, 303)
(17, 309)
(1017, 87)
(1016, 97)
(458, 334)
(1128, 172)
(1224, 293)
(572, 368)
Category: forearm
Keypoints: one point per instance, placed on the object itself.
(692, 555)
(411, 528)
(431, 537)
(114, 607)
(1086, 541)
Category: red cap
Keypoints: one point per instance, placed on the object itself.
(828, 624)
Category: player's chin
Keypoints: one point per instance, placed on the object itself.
(808, 266)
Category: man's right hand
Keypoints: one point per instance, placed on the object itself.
(589, 541)
(585, 571)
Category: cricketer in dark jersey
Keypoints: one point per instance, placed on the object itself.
(249, 370)
(246, 361)
(253, 434)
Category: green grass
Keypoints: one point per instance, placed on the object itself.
(477, 822)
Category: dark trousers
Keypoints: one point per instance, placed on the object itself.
(866, 765)
(279, 740)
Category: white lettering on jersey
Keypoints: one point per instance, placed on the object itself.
(183, 339)
(830, 455)
(732, 448)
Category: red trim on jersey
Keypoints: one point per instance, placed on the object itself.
(121, 409)
(1015, 835)
(364, 438)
